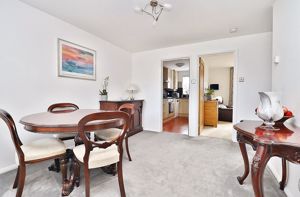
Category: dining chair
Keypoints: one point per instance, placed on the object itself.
(111, 133)
(62, 108)
(95, 154)
(33, 152)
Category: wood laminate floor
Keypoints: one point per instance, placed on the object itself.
(177, 125)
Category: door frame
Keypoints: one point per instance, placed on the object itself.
(161, 89)
(235, 82)
(200, 128)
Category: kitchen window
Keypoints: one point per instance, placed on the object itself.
(186, 85)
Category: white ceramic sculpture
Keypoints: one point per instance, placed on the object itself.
(269, 109)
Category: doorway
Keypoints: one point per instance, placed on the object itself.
(216, 95)
(175, 90)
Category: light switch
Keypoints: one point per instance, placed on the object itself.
(193, 81)
(241, 79)
(276, 59)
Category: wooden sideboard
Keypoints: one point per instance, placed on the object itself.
(211, 113)
(136, 124)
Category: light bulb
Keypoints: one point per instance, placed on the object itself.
(167, 6)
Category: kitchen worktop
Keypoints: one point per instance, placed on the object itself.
(176, 98)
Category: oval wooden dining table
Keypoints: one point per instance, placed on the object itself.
(65, 122)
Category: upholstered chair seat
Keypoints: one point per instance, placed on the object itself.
(94, 153)
(99, 157)
(114, 133)
(33, 152)
(65, 135)
(43, 148)
(108, 134)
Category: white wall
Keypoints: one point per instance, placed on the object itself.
(206, 76)
(286, 44)
(220, 76)
(28, 62)
(254, 55)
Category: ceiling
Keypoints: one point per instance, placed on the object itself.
(189, 21)
(219, 60)
(172, 64)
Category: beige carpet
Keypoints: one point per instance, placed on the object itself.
(224, 130)
(164, 165)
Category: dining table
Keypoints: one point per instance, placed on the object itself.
(66, 122)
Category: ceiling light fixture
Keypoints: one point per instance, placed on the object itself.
(154, 9)
(179, 64)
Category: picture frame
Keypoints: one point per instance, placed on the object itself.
(76, 61)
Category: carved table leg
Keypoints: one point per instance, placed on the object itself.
(74, 178)
(283, 179)
(258, 166)
(246, 163)
(64, 173)
(55, 167)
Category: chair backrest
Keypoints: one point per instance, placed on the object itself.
(122, 119)
(13, 131)
(62, 107)
(130, 109)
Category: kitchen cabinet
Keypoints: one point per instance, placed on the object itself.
(170, 78)
(165, 109)
(165, 77)
(175, 80)
(183, 107)
(176, 107)
(169, 107)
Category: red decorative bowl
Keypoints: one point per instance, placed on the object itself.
(283, 119)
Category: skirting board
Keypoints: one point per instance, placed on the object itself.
(8, 168)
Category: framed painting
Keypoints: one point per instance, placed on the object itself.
(76, 61)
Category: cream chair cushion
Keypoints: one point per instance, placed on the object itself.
(108, 134)
(43, 148)
(99, 157)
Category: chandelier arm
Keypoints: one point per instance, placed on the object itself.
(146, 6)
(148, 13)
(160, 10)
(159, 14)
(153, 9)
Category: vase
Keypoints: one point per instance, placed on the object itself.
(207, 97)
(269, 109)
(103, 97)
